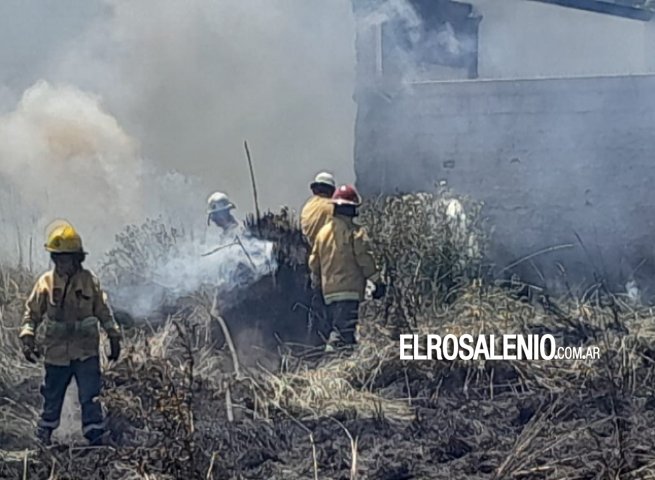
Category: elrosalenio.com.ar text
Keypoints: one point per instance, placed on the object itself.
(490, 347)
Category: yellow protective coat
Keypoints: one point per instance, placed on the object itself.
(70, 311)
(316, 213)
(341, 261)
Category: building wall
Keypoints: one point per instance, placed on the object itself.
(562, 145)
(649, 45)
(550, 158)
(525, 39)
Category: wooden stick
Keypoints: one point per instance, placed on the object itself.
(228, 403)
(25, 465)
(226, 333)
(536, 254)
(254, 186)
(314, 460)
(211, 466)
(30, 263)
(238, 240)
(353, 455)
(52, 470)
(211, 252)
(19, 243)
(353, 449)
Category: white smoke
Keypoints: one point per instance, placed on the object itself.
(416, 49)
(59, 135)
(392, 11)
(142, 113)
(144, 107)
(192, 80)
(445, 40)
(63, 156)
(226, 263)
(240, 261)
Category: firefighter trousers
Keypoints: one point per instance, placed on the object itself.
(89, 383)
(343, 317)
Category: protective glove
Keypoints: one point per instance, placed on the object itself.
(115, 345)
(369, 289)
(29, 348)
(380, 290)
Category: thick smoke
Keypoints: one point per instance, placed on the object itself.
(192, 80)
(376, 13)
(415, 48)
(225, 262)
(188, 82)
(62, 155)
(131, 110)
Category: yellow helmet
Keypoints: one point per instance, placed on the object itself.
(61, 237)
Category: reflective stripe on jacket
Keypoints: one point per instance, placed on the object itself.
(341, 260)
(314, 215)
(70, 310)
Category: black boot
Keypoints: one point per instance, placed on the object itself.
(44, 435)
(96, 437)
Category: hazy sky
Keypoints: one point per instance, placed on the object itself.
(99, 99)
(31, 33)
(191, 80)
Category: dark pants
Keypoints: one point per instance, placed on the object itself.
(89, 382)
(343, 317)
(319, 319)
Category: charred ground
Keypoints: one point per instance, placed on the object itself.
(179, 410)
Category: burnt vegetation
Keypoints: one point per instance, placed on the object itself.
(186, 402)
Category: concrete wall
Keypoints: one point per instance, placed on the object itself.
(649, 46)
(525, 39)
(548, 157)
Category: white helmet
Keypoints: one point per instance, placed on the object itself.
(324, 178)
(218, 202)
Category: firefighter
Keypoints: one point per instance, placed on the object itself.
(69, 304)
(340, 265)
(318, 210)
(219, 212)
(219, 209)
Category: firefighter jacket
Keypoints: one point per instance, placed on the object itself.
(341, 261)
(316, 213)
(70, 308)
(218, 236)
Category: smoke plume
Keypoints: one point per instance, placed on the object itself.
(130, 110)
(62, 155)
(224, 262)
(193, 80)
(141, 108)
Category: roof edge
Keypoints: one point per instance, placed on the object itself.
(607, 8)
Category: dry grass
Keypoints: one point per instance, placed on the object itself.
(179, 411)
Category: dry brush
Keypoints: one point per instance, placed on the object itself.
(178, 408)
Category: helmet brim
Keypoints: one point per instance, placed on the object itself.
(229, 207)
(345, 202)
(321, 184)
(56, 250)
